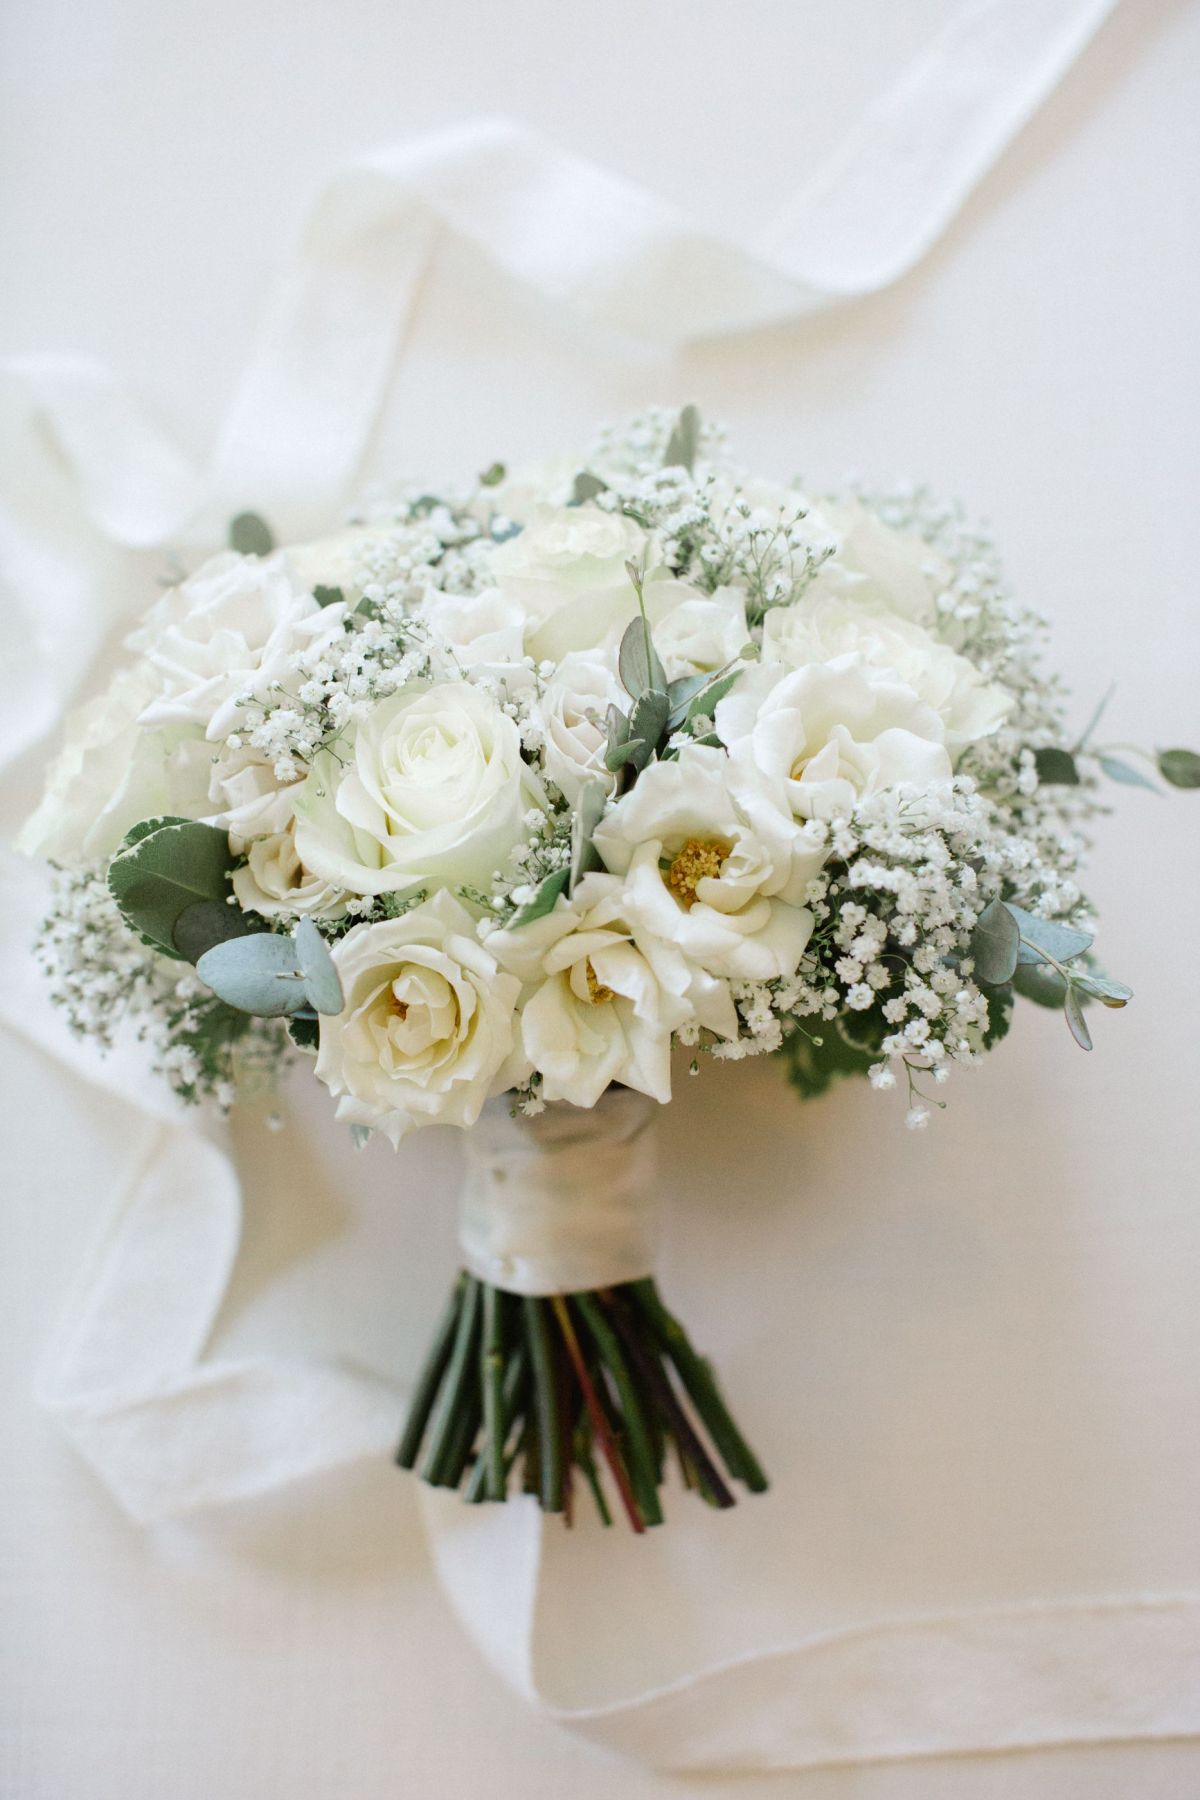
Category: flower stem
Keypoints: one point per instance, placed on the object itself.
(641, 1443)
(545, 1391)
(600, 1426)
(492, 1383)
(697, 1379)
(430, 1379)
(455, 1389)
(658, 1386)
(516, 1377)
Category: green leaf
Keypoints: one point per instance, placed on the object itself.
(545, 899)
(684, 441)
(136, 833)
(589, 810)
(328, 596)
(812, 1065)
(995, 944)
(1000, 1011)
(706, 701)
(648, 722)
(638, 662)
(1041, 984)
(250, 536)
(166, 871)
(321, 982)
(1056, 768)
(205, 923)
(628, 751)
(1062, 942)
(258, 974)
(304, 1029)
(1180, 767)
(1075, 1020)
(1086, 734)
(494, 476)
(1109, 993)
(586, 487)
(1116, 770)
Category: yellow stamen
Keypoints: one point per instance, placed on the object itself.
(597, 992)
(700, 857)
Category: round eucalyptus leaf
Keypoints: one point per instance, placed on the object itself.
(250, 536)
(1180, 767)
(321, 982)
(205, 923)
(995, 944)
(256, 974)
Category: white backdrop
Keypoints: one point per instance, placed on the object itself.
(1040, 1423)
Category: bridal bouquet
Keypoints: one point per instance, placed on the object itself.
(506, 807)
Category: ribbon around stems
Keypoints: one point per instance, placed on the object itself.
(91, 488)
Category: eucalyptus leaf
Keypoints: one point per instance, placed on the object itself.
(259, 974)
(1041, 984)
(586, 487)
(995, 944)
(545, 899)
(360, 1136)
(1180, 767)
(628, 751)
(162, 873)
(1109, 993)
(684, 441)
(1073, 1009)
(321, 981)
(1056, 768)
(250, 535)
(205, 923)
(328, 596)
(1062, 942)
(589, 810)
(648, 720)
(707, 700)
(494, 476)
(1116, 770)
(638, 661)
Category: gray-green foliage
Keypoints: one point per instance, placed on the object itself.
(1015, 951)
(274, 976)
(684, 441)
(170, 880)
(250, 535)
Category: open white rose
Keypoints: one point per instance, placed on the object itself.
(566, 570)
(571, 711)
(695, 633)
(427, 1025)
(230, 629)
(112, 772)
(273, 880)
(698, 874)
(600, 1006)
(432, 789)
(821, 627)
(877, 562)
(484, 631)
(827, 736)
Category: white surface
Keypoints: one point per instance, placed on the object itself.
(1038, 366)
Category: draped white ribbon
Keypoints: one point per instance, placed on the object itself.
(94, 487)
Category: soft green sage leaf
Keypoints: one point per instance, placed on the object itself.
(494, 476)
(1109, 993)
(648, 720)
(1041, 984)
(684, 441)
(205, 923)
(586, 487)
(1116, 770)
(705, 704)
(589, 810)
(1073, 1010)
(1056, 768)
(250, 536)
(628, 751)
(638, 661)
(1180, 767)
(328, 596)
(259, 974)
(545, 899)
(995, 944)
(162, 873)
(321, 982)
(1062, 942)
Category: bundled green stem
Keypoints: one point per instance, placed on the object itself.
(605, 1382)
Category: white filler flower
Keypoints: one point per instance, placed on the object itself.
(427, 1024)
(432, 789)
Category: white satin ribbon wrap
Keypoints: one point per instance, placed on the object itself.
(562, 1202)
(91, 488)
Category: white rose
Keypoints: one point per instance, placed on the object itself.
(695, 633)
(823, 626)
(483, 631)
(524, 491)
(343, 560)
(601, 1008)
(112, 772)
(273, 880)
(232, 628)
(827, 736)
(698, 874)
(432, 788)
(571, 711)
(566, 570)
(876, 562)
(427, 1026)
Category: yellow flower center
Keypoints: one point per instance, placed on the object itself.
(597, 992)
(700, 857)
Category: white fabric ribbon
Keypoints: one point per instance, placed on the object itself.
(91, 486)
(562, 1202)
